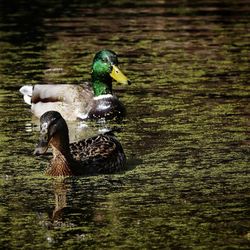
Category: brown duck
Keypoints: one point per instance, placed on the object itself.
(99, 154)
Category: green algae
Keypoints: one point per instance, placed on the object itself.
(186, 132)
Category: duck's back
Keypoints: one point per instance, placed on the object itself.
(72, 101)
(99, 154)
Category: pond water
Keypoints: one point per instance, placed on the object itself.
(186, 134)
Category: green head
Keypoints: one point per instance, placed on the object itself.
(104, 69)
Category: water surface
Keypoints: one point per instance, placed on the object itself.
(186, 134)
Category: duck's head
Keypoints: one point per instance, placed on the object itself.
(53, 131)
(104, 69)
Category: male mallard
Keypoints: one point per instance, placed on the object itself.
(93, 100)
(99, 154)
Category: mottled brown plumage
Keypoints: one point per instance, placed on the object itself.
(99, 154)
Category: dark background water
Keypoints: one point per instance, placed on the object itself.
(186, 134)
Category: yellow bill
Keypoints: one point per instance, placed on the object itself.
(117, 74)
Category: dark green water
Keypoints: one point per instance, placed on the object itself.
(186, 134)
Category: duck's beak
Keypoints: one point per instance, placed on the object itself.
(117, 74)
(41, 146)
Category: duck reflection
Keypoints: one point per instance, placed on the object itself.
(60, 191)
(75, 204)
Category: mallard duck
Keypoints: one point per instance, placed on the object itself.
(99, 154)
(93, 100)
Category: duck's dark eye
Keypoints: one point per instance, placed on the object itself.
(105, 60)
(45, 137)
(44, 128)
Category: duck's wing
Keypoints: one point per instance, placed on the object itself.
(94, 148)
(99, 154)
(72, 101)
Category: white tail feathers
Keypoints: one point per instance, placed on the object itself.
(27, 91)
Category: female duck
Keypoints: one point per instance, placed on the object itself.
(98, 154)
(93, 100)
